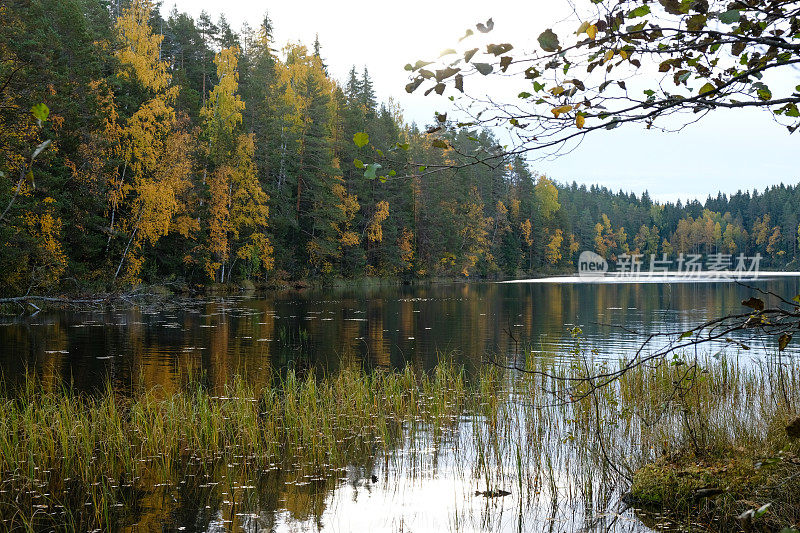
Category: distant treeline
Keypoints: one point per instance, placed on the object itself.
(183, 151)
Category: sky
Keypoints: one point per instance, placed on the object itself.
(726, 151)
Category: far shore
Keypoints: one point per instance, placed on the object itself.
(662, 277)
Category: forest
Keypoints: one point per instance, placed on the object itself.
(136, 148)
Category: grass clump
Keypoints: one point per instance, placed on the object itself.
(73, 461)
(717, 442)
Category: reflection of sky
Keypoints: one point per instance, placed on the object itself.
(726, 151)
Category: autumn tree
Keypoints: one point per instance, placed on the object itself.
(146, 198)
(237, 210)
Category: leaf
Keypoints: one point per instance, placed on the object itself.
(489, 26)
(505, 61)
(579, 121)
(445, 73)
(549, 41)
(582, 28)
(754, 303)
(361, 139)
(420, 63)
(441, 117)
(783, 341)
(447, 52)
(729, 17)
(685, 334)
(484, 68)
(609, 55)
(674, 7)
(411, 87)
(439, 143)
(498, 49)
(561, 109)
(41, 112)
(639, 12)
(392, 173)
(707, 88)
(439, 88)
(404, 146)
(468, 34)
(358, 163)
(469, 54)
(40, 149)
(696, 22)
(591, 31)
(372, 168)
(524, 94)
(764, 93)
(460, 82)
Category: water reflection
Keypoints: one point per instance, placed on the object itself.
(386, 327)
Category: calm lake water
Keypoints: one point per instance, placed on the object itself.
(259, 336)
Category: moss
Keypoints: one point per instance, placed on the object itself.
(715, 490)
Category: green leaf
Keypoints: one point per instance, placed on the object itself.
(439, 143)
(41, 112)
(764, 93)
(372, 168)
(358, 163)
(729, 17)
(707, 88)
(392, 173)
(422, 168)
(404, 146)
(639, 12)
(549, 41)
(361, 139)
(686, 334)
(524, 94)
(484, 68)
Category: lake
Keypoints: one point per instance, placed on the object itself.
(425, 487)
(389, 327)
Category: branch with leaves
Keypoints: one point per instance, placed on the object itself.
(632, 61)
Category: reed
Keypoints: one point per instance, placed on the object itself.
(70, 461)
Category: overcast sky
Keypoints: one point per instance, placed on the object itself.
(728, 150)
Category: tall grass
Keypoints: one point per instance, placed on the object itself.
(77, 461)
(70, 461)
